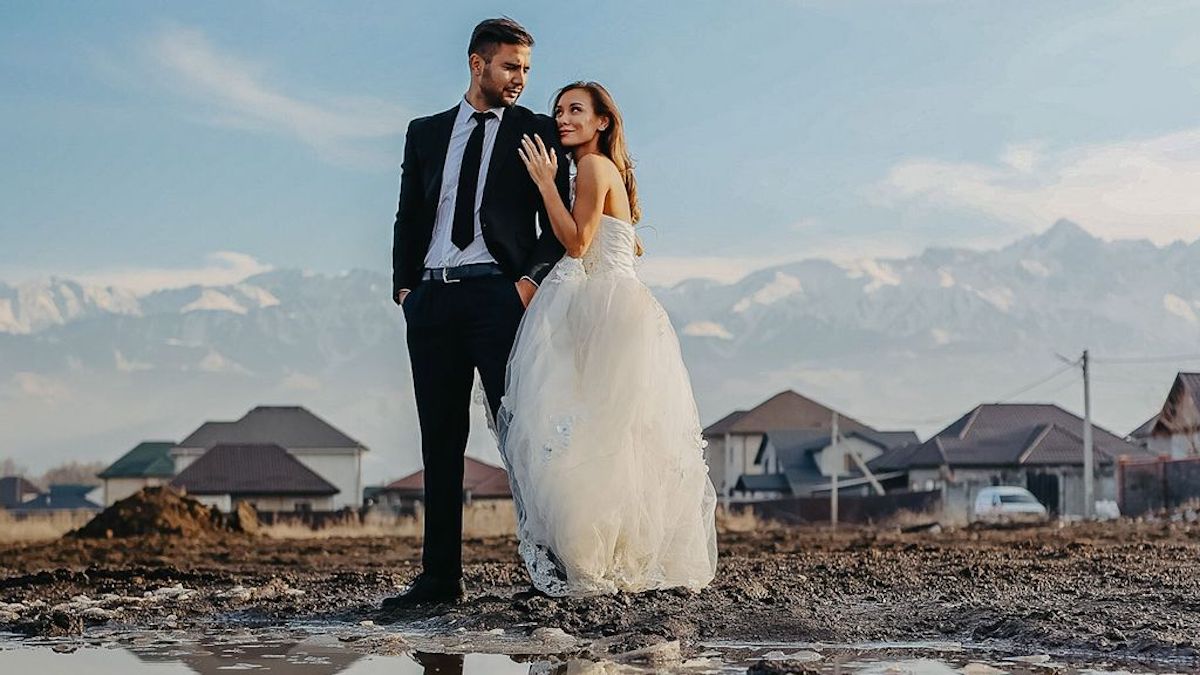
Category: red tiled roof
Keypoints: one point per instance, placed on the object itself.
(480, 479)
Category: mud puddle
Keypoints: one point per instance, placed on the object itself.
(367, 649)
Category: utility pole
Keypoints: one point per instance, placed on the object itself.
(835, 449)
(1089, 472)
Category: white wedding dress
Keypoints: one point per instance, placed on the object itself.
(599, 431)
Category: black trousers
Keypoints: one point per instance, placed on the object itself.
(455, 329)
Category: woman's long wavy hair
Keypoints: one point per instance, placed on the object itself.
(612, 139)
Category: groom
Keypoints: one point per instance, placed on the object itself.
(466, 260)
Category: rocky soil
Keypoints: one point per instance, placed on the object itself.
(1120, 589)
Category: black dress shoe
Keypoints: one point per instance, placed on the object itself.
(427, 589)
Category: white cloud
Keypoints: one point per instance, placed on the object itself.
(222, 268)
(41, 387)
(300, 382)
(242, 97)
(1141, 188)
(1180, 308)
(707, 329)
(125, 365)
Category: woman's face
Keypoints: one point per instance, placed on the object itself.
(577, 120)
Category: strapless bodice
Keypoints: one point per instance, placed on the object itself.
(613, 250)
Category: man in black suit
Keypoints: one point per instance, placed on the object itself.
(466, 260)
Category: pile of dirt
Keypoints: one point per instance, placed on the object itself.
(164, 511)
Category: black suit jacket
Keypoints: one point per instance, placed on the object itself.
(511, 208)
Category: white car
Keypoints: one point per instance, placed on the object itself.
(1007, 502)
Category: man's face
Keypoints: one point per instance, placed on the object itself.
(502, 79)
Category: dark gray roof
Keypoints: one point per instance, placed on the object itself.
(147, 459)
(1181, 411)
(1145, 429)
(250, 469)
(13, 488)
(1009, 434)
(791, 443)
(771, 482)
(293, 427)
(61, 498)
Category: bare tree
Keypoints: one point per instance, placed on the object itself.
(72, 472)
(9, 467)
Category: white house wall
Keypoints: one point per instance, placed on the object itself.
(340, 467)
(116, 489)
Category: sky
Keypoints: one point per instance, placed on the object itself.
(159, 144)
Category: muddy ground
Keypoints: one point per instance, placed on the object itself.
(1125, 589)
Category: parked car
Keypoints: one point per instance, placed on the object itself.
(1007, 502)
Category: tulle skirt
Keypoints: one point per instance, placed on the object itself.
(602, 441)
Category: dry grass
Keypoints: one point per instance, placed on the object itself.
(741, 519)
(41, 526)
(480, 519)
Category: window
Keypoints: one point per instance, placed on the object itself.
(1017, 499)
(303, 507)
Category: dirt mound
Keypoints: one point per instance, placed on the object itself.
(163, 511)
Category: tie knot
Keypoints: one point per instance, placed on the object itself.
(482, 117)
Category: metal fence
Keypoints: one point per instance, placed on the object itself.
(1148, 485)
(851, 509)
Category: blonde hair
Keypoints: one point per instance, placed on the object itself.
(612, 139)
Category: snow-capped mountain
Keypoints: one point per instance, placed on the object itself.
(903, 343)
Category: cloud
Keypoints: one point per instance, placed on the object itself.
(336, 127)
(40, 387)
(1141, 188)
(658, 270)
(222, 268)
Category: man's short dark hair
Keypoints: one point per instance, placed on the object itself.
(491, 33)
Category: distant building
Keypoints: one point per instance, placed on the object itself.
(15, 491)
(60, 498)
(317, 444)
(1036, 446)
(481, 481)
(736, 442)
(803, 463)
(266, 476)
(148, 464)
(1175, 430)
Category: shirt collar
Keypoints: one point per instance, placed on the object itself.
(465, 110)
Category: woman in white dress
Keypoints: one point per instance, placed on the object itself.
(598, 425)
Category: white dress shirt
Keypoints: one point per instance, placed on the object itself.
(442, 251)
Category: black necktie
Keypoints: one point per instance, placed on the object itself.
(463, 232)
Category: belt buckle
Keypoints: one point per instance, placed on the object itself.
(446, 279)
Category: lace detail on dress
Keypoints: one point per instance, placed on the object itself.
(567, 269)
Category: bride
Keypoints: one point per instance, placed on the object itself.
(598, 426)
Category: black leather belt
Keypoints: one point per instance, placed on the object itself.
(449, 275)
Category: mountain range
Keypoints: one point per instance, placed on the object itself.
(86, 371)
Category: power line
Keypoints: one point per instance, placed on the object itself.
(1147, 359)
(1002, 399)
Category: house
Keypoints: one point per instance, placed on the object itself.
(1175, 430)
(736, 441)
(60, 498)
(15, 491)
(317, 444)
(801, 463)
(265, 475)
(481, 481)
(148, 464)
(1036, 446)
